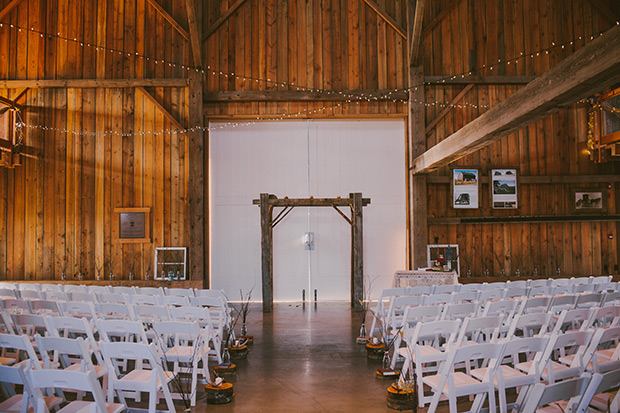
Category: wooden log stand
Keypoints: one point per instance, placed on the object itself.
(238, 353)
(224, 371)
(375, 351)
(387, 374)
(222, 394)
(400, 399)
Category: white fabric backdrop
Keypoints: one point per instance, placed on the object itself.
(298, 159)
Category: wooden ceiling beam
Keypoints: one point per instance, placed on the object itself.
(591, 69)
(301, 95)
(9, 8)
(194, 32)
(388, 19)
(484, 80)
(222, 19)
(175, 122)
(415, 40)
(448, 108)
(92, 83)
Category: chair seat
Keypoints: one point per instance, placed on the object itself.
(182, 353)
(100, 371)
(7, 361)
(144, 376)
(525, 367)
(84, 407)
(14, 404)
(460, 380)
(507, 371)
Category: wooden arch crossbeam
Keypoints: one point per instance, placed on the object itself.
(355, 202)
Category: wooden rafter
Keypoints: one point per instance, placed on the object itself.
(222, 19)
(605, 10)
(448, 107)
(299, 95)
(388, 19)
(162, 109)
(90, 83)
(416, 32)
(194, 32)
(439, 18)
(9, 8)
(484, 80)
(9, 102)
(182, 31)
(593, 68)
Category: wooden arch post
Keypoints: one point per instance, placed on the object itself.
(355, 202)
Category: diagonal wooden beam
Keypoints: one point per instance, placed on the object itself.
(591, 69)
(20, 94)
(194, 32)
(416, 32)
(169, 18)
(162, 109)
(439, 18)
(448, 108)
(388, 19)
(222, 19)
(605, 10)
(9, 8)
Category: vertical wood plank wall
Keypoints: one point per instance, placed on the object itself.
(56, 211)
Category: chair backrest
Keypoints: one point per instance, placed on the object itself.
(199, 314)
(388, 292)
(603, 382)
(465, 296)
(173, 300)
(62, 379)
(150, 290)
(480, 329)
(55, 295)
(52, 287)
(114, 311)
(576, 319)
(604, 338)
(30, 294)
(435, 299)
(436, 333)
(600, 279)
(570, 390)
(29, 324)
(539, 283)
(15, 305)
(415, 315)
(72, 327)
(44, 307)
(459, 311)
(529, 325)
(121, 330)
(589, 300)
(537, 304)
(8, 293)
(529, 348)
(83, 297)
(184, 292)
(583, 288)
(111, 298)
(517, 284)
(419, 290)
(115, 351)
(495, 285)
(61, 348)
(68, 288)
(488, 293)
(77, 309)
(505, 308)
(541, 290)
(560, 303)
(446, 289)
(514, 292)
(150, 313)
(559, 281)
(98, 289)
(573, 343)
(142, 299)
(122, 289)
(471, 287)
(606, 316)
(20, 343)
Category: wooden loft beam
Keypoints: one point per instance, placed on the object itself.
(593, 68)
(479, 80)
(439, 18)
(175, 122)
(169, 18)
(448, 108)
(222, 19)
(416, 31)
(540, 179)
(299, 95)
(310, 202)
(605, 10)
(194, 31)
(9, 8)
(388, 19)
(92, 83)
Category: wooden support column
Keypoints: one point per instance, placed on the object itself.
(198, 247)
(357, 251)
(266, 244)
(418, 233)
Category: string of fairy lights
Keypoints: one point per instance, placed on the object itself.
(350, 98)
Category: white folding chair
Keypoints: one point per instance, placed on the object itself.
(183, 345)
(426, 348)
(475, 287)
(122, 289)
(44, 307)
(183, 292)
(608, 316)
(68, 288)
(603, 350)
(7, 293)
(30, 295)
(29, 324)
(547, 395)
(508, 376)
(111, 298)
(589, 300)
(453, 384)
(504, 308)
(437, 299)
(560, 303)
(83, 297)
(556, 282)
(529, 325)
(538, 283)
(459, 311)
(600, 279)
(578, 319)
(22, 399)
(446, 289)
(602, 392)
(203, 318)
(476, 330)
(150, 290)
(172, 301)
(77, 309)
(17, 350)
(515, 293)
(71, 327)
(153, 381)
(537, 291)
(149, 313)
(465, 296)
(55, 296)
(121, 330)
(583, 288)
(488, 294)
(142, 299)
(538, 304)
(98, 289)
(114, 311)
(85, 381)
(498, 285)
(15, 305)
(517, 284)
(396, 309)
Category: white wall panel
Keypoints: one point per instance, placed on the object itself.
(301, 159)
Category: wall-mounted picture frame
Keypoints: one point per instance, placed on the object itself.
(589, 200)
(131, 225)
(465, 188)
(504, 188)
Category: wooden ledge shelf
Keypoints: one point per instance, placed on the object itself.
(115, 283)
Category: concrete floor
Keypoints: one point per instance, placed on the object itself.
(304, 359)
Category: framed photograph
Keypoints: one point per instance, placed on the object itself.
(131, 225)
(465, 186)
(589, 200)
(504, 189)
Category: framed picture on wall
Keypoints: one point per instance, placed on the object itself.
(589, 200)
(504, 189)
(131, 225)
(465, 186)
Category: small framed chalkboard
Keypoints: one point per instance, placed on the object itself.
(131, 225)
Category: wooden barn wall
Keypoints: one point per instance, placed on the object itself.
(475, 34)
(60, 205)
(56, 211)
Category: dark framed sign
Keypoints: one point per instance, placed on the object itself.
(131, 225)
(588, 200)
